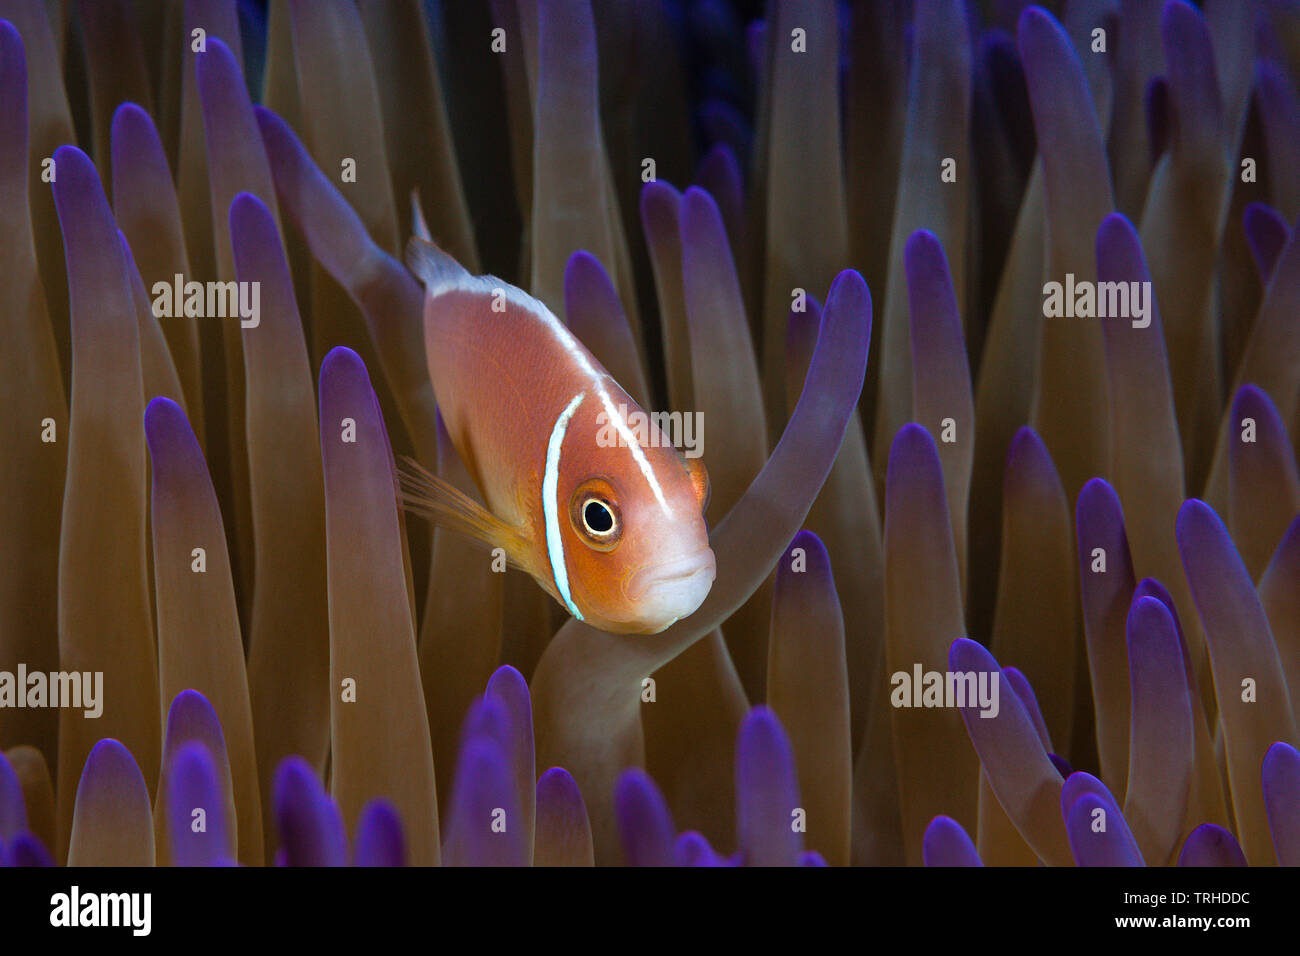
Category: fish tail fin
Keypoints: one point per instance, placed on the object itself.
(425, 494)
(434, 267)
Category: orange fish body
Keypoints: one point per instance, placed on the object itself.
(605, 515)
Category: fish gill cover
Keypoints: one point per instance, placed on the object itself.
(1023, 588)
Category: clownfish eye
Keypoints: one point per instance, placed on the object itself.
(595, 516)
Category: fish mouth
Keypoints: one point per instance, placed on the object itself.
(672, 574)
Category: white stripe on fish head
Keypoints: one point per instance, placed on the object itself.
(551, 504)
(579, 354)
(634, 446)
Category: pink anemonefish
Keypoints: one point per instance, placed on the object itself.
(614, 531)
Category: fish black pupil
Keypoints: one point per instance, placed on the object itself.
(598, 518)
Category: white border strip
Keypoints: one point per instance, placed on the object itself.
(551, 503)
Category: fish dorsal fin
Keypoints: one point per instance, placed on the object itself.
(427, 495)
(435, 268)
(417, 217)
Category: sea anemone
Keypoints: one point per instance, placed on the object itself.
(1093, 515)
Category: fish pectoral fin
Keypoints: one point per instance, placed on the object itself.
(424, 493)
